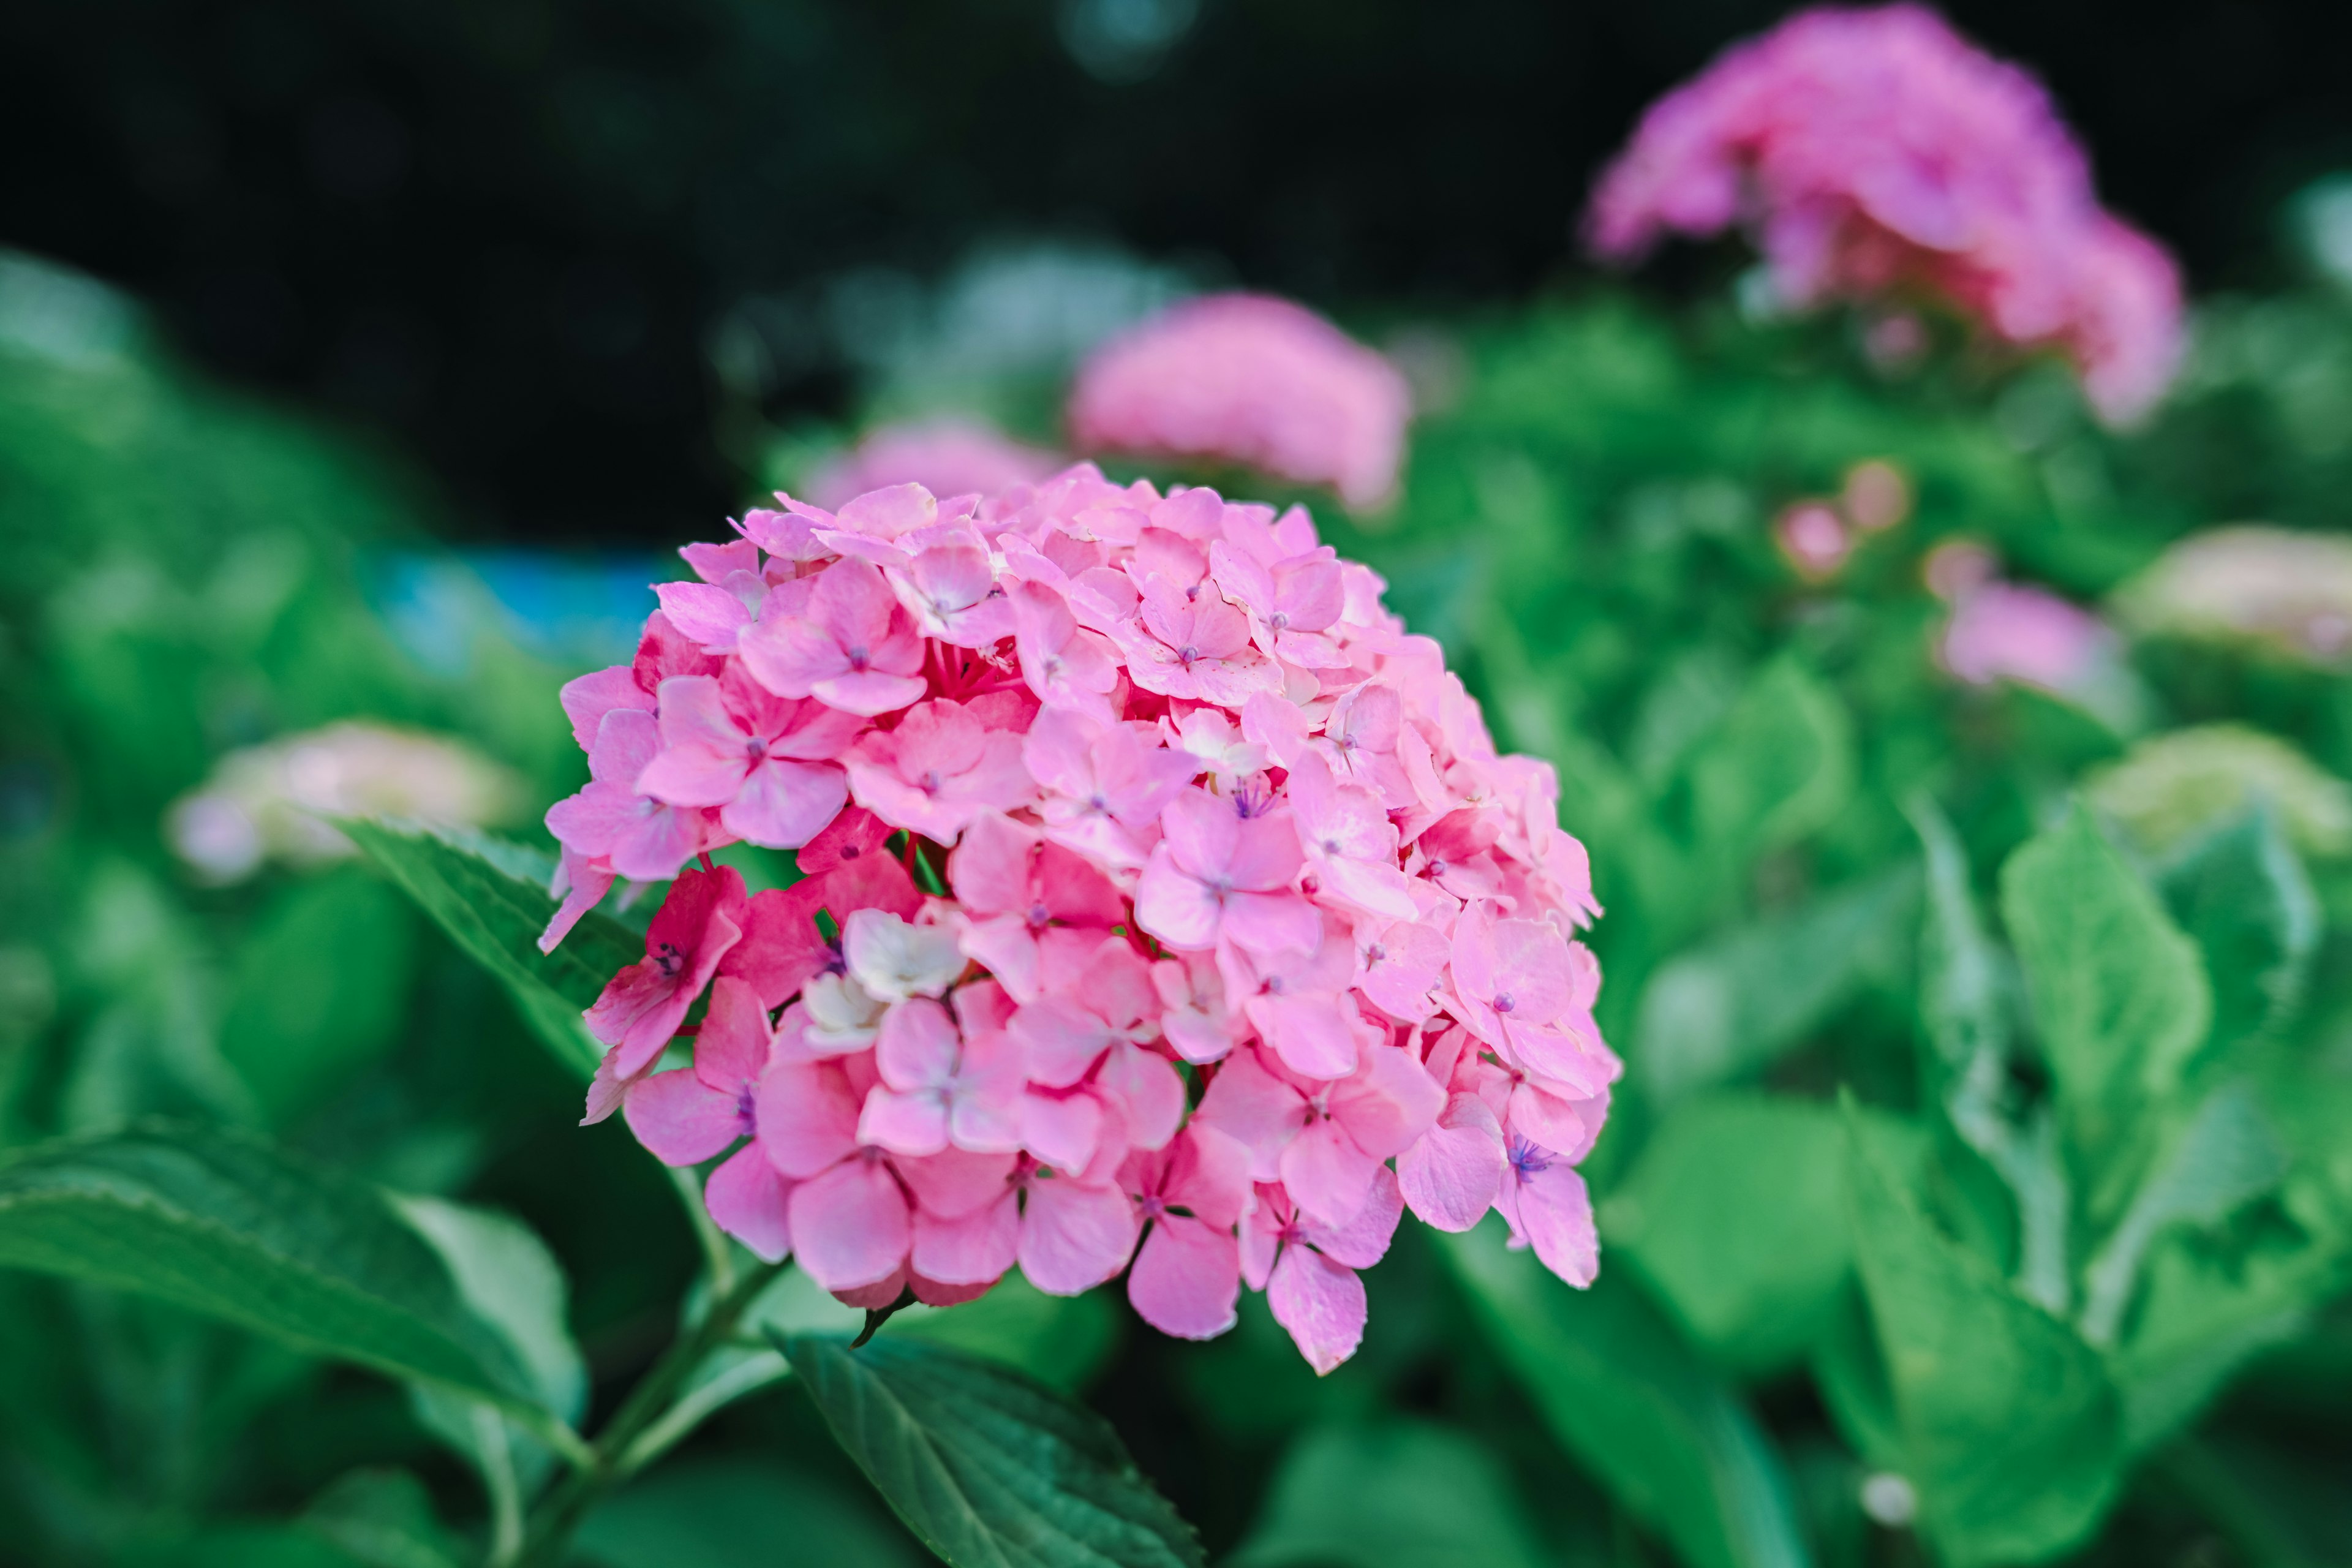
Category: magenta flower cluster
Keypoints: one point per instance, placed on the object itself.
(1240, 937)
(1872, 153)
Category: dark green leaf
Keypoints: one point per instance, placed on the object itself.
(1392, 1495)
(989, 1470)
(224, 1226)
(1635, 1405)
(2119, 994)
(496, 918)
(2242, 895)
(741, 1513)
(383, 1519)
(2010, 1431)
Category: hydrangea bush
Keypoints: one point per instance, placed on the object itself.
(1158, 889)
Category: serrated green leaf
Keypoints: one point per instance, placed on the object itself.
(2010, 1429)
(224, 1225)
(2242, 895)
(988, 1469)
(1394, 1494)
(1635, 1405)
(496, 918)
(2119, 994)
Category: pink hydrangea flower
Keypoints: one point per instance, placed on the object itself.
(1875, 152)
(2007, 631)
(1245, 938)
(1251, 380)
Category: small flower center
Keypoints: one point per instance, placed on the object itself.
(1186, 655)
(1504, 1002)
(668, 959)
(1039, 916)
(929, 783)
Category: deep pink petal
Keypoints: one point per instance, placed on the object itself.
(748, 1200)
(1320, 1302)
(975, 1249)
(1074, 1236)
(850, 1225)
(1186, 1280)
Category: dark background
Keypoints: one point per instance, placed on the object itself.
(502, 230)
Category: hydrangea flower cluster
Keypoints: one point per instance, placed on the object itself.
(1167, 908)
(1254, 380)
(1873, 152)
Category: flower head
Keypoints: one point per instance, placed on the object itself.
(1241, 938)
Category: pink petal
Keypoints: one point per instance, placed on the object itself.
(1364, 1240)
(1329, 1177)
(1061, 1039)
(1550, 1209)
(589, 697)
(917, 1046)
(850, 1225)
(1272, 922)
(807, 1117)
(733, 1048)
(1390, 1101)
(1074, 1236)
(956, 1181)
(972, 1249)
(1450, 1176)
(784, 804)
(904, 1123)
(1316, 1036)
(748, 1200)
(1174, 906)
(1186, 1280)
(1249, 1103)
(867, 692)
(681, 1120)
(1322, 1303)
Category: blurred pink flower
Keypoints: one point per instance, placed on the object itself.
(1875, 151)
(2002, 631)
(946, 456)
(1252, 380)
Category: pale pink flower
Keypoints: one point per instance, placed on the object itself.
(938, 770)
(841, 636)
(1521, 985)
(1308, 1270)
(1546, 1206)
(1105, 785)
(2007, 631)
(628, 833)
(765, 762)
(1874, 153)
(1322, 1140)
(1014, 886)
(946, 456)
(1219, 874)
(942, 1084)
(1188, 1275)
(1252, 380)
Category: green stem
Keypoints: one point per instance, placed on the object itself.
(615, 1454)
(715, 1253)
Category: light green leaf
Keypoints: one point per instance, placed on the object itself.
(2226, 1157)
(1398, 1494)
(321, 989)
(1965, 1001)
(224, 1225)
(2242, 895)
(2119, 994)
(1715, 1013)
(1779, 769)
(989, 1470)
(1635, 1405)
(1722, 1216)
(496, 918)
(384, 1518)
(2010, 1429)
(512, 1283)
(741, 1513)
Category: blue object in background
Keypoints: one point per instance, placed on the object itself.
(577, 610)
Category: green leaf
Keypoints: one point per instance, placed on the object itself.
(1715, 1013)
(2226, 1157)
(1398, 1494)
(1723, 1215)
(741, 1513)
(224, 1226)
(382, 1518)
(1779, 769)
(320, 990)
(2118, 993)
(495, 917)
(2011, 1430)
(1635, 1405)
(1966, 1001)
(512, 1283)
(989, 1470)
(2243, 897)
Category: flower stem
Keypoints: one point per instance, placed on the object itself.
(615, 1456)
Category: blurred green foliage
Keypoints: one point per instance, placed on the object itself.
(1978, 1190)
